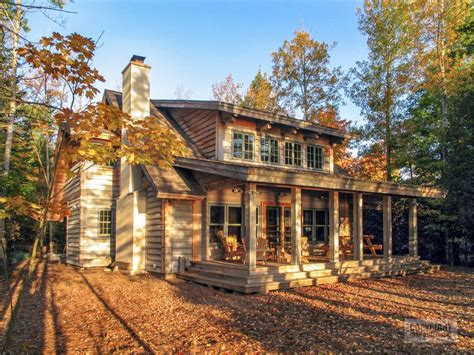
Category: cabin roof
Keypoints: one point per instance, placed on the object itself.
(115, 98)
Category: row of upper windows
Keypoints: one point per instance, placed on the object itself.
(243, 147)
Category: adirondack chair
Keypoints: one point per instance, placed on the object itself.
(230, 247)
(345, 245)
(372, 247)
(304, 249)
(261, 250)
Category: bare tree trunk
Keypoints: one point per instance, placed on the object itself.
(12, 103)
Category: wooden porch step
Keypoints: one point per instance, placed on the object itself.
(238, 278)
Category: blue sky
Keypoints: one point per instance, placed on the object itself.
(193, 44)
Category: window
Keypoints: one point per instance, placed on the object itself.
(315, 225)
(105, 222)
(243, 146)
(314, 157)
(269, 150)
(224, 221)
(293, 154)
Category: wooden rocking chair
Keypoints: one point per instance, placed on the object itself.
(372, 247)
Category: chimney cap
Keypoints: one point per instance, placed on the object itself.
(137, 59)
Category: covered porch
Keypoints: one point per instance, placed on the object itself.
(262, 234)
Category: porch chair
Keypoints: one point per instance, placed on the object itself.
(261, 250)
(304, 250)
(372, 247)
(230, 247)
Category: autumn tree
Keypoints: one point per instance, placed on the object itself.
(88, 132)
(302, 78)
(438, 23)
(380, 84)
(227, 90)
(260, 94)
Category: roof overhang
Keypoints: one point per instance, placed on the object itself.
(232, 109)
(306, 179)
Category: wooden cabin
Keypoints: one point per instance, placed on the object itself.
(257, 204)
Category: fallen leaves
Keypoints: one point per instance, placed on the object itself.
(94, 311)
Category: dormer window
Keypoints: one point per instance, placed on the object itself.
(243, 146)
(269, 150)
(314, 156)
(293, 154)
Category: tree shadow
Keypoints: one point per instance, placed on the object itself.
(117, 316)
(296, 321)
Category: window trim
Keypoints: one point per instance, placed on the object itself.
(243, 133)
(270, 138)
(293, 143)
(322, 156)
(226, 223)
(103, 223)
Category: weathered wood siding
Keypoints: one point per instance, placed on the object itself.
(179, 233)
(200, 127)
(97, 192)
(225, 133)
(154, 232)
(73, 231)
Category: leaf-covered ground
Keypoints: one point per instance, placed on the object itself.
(70, 310)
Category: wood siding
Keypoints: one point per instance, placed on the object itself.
(154, 232)
(200, 127)
(179, 233)
(225, 132)
(73, 231)
(97, 193)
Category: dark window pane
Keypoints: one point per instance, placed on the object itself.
(320, 234)
(308, 232)
(287, 216)
(215, 232)
(307, 217)
(235, 215)
(217, 215)
(321, 217)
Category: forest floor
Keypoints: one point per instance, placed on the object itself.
(65, 309)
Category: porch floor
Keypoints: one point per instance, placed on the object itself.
(277, 276)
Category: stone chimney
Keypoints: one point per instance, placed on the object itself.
(136, 88)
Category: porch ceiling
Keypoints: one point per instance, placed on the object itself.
(305, 179)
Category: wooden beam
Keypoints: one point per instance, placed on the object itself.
(413, 229)
(334, 226)
(222, 184)
(387, 227)
(262, 126)
(228, 117)
(251, 224)
(296, 226)
(306, 179)
(358, 225)
(178, 196)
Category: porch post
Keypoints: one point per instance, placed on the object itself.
(251, 224)
(334, 226)
(412, 229)
(387, 227)
(296, 226)
(358, 225)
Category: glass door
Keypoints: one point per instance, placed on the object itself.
(273, 225)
